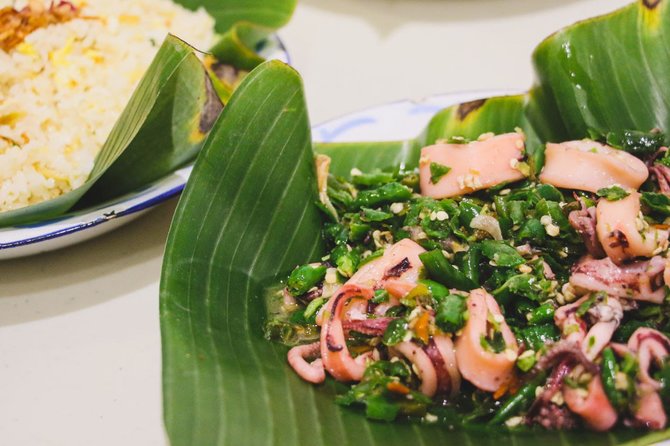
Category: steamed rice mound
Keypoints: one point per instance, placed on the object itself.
(63, 88)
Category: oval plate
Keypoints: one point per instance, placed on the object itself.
(76, 227)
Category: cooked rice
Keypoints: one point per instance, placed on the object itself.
(64, 87)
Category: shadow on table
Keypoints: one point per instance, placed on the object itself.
(86, 274)
(393, 13)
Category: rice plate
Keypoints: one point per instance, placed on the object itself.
(64, 85)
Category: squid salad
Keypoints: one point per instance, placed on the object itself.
(472, 291)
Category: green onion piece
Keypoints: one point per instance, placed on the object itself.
(468, 211)
(450, 313)
(335, 233)
(542, 314)
(381, 296)
(440, 270)
(437, 290)
(419, 295)
(358, 231)
(612, 193)
(627, 329)
(458, 140)
(533, 230)
(375, 215)
(313, 308)
(387, 193)
(471, 262)
(549, 192)
(395, 332)
(303, 278)
(495, 344)
(437, 171)
(374, 178)
(608, 371)
(554, 210)
(346, 261)
(526, 361)
(519, 401)
(536, 336)
(503, 215)
(517, 211)
(375, 255)
(585, 306)
(501, 253)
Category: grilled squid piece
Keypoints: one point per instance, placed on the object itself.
(474, 166)
(642, 280)
(605, 314)
(309, 371)
(650, 412)
(334, 352)
(593, 406)
(397, 270)
(584, 222)
(484, 368)
(573, 328)
(651, 347)
(446, 348)
(622, 232)
(588, 165)
(422, 365)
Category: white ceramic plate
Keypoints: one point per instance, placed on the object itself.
(82, 225)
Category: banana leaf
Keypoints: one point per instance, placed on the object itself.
(247, 218)
(171, 111)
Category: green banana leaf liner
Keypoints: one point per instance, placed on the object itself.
(177, 93)
(248, 216)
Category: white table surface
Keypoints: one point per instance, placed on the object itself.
(80, 356)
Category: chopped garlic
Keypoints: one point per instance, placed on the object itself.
(430, 418)
(461, 182)
(511, 354)
(549, 226)
(558, 399)
(514, 421)
(552, 230)
(397, 208)
(441, 216)
(525, 269)
(331, 275)
(621, 381)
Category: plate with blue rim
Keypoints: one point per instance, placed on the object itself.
(81, 225)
